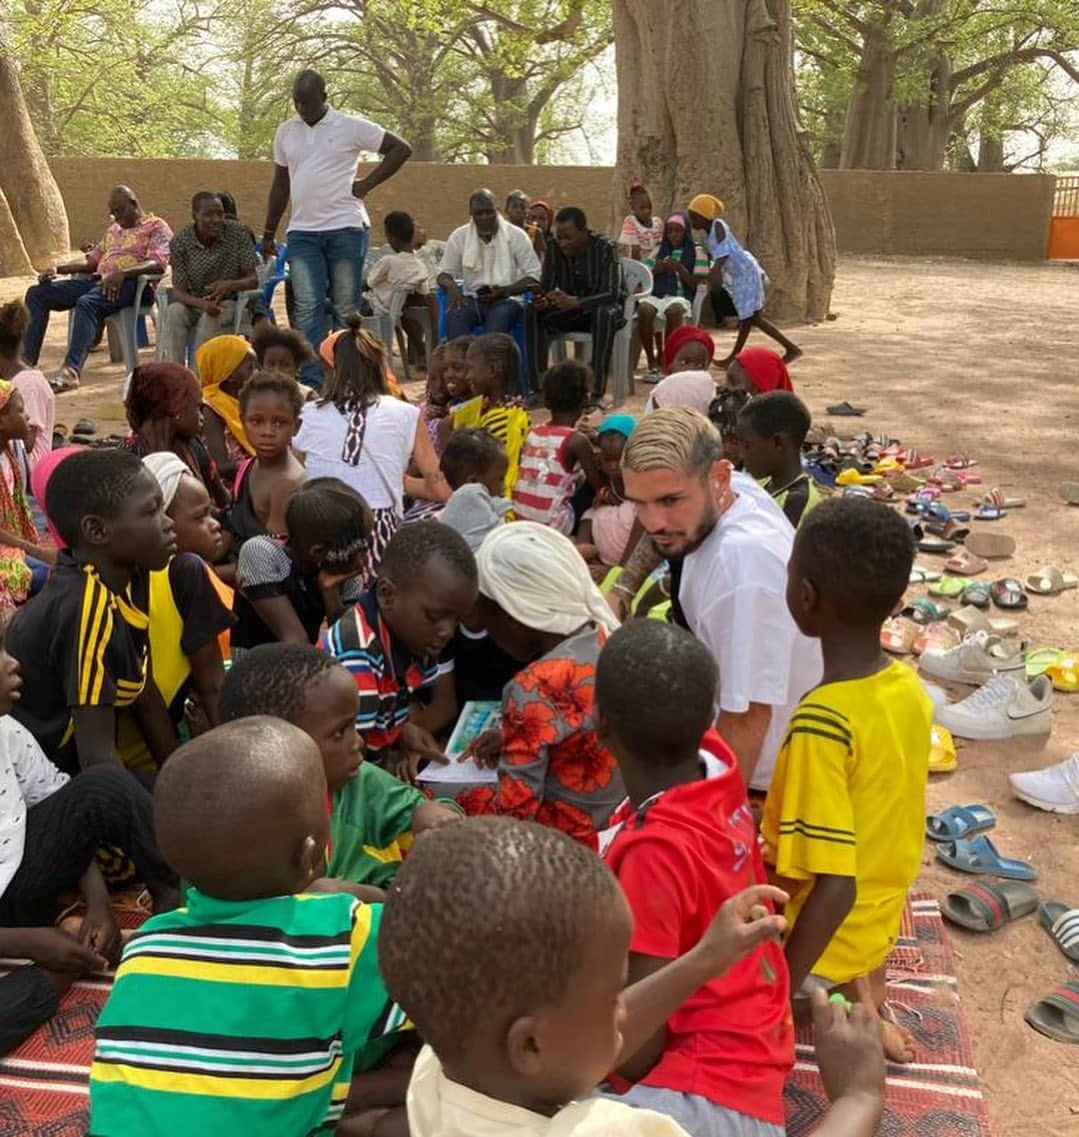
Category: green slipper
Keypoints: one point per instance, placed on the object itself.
(950, 586)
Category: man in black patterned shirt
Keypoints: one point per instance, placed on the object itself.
(581, 290)
(212, 260)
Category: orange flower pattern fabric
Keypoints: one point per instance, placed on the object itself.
(553, 769)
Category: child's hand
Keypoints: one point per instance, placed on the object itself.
(849, 1049)
(741, 924)
(414, 744)
(101, 933)
(432, 815)
(57, 951)
(486, 748)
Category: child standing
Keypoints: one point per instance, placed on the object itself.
(771, 430)
(82, 641)
(257, 1031)
(557, 458)
(270, 406)
(844, 822)
(686, 845)
(493, 361)
(373, 816)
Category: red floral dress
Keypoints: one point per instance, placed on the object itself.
(552, 769)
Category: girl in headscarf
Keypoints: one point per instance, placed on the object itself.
(163, 405)
(757, 370)
(358, 432)
(541, 215)
(539, 604)
(680, 266)
(688, 348)
(225, 363)
(740, 273)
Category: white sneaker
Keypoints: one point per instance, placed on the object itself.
(1056, 788)
(978, 658)
(1003, 708)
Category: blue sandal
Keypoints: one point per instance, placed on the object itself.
(959, 821)
(980, 856)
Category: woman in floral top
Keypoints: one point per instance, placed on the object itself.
(538, 603)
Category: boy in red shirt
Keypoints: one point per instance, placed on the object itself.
(687, 843)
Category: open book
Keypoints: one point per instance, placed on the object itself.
(474, 719)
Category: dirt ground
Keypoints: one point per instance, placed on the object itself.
(949, 356)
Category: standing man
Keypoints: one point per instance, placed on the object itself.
(581, 291)
(135, 244)
(495, 261)
(212, 260)
(728, 545)
(315, 157)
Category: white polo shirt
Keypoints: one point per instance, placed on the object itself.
(321, 161)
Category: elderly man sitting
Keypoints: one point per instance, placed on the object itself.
(136, 243)
(496, 262)
(212, 260)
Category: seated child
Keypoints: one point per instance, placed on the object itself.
(545, 925)
(50, 830)
(606, 533)
(434, 410)
(270, 406)
(844, 821)
(393, 642)
(257, 1031)
(189, 610)
(688, 348)
(557, 459)
(723, 414)
(285, 591)
(373, 816)
(471, 458)
(281, 349)
(494, 361)
(82, 642)
(686, 845)
(401, 269)
(456, 370)
(771, 430)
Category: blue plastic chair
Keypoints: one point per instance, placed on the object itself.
(518, 331)
(278, 276)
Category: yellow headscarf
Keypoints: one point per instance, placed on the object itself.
(707, 206)
(216, 360)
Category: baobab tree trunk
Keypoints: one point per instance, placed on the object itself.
(869, 131)
(32, 197)
(925, 128)
(706, 104)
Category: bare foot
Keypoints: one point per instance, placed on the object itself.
(793, 354)
(899, 1045)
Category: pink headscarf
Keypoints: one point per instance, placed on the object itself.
(40, 405)
(39, 482)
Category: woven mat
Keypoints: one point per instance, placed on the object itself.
(43, 1084)
(938, 1095)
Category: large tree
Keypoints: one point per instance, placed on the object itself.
(706, 103)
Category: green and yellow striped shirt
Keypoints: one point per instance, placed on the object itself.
(232, 1017)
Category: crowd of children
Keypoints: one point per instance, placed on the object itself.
(271, 607)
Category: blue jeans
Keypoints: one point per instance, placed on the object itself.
(497, 317)
(333, 260)
(91, 308)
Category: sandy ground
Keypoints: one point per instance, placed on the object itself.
(949, 356)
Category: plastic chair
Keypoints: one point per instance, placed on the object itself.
(421, 315)
(129, 324)
(277, 275)
(518, 331)
(637, 280)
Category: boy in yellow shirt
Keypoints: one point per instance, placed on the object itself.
(844, 821)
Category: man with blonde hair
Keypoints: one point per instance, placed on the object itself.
(728, 545)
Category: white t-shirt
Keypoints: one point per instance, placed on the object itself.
(321, 161)
(26, 777)
(439, 1107)
(387, 448)
(521, 262)
(733, 592)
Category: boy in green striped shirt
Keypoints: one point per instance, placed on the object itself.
(244, 1010)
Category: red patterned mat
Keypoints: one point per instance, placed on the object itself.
(939, 1095)
(43, 1084)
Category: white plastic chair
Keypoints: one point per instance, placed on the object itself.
(125, 323)
(421, 315)
(637, 281)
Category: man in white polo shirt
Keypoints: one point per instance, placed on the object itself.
(728, 545)
(315, 157)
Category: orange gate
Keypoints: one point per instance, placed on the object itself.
(1064, 226)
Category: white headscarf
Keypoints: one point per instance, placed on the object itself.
(168, 469)
(538, 577)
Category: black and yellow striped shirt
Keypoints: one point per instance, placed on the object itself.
(79, 644)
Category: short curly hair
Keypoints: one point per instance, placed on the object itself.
(777, 412)
(268, 335)
(469, 453)
(272, 383)
(272, 679)
(566, 385)
(858, 554)
(486, 921)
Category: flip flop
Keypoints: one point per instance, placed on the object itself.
(1056, 1015)
(942, 753)
(937, 636)
(977, 594)
(935, 545)
(989, 513)
(1008, 593)
(1064, 673)
(987, 907)
(980, 856)
(916, 461)
(1038, 660)
(1049, 580)
(959, 462)
(938, 511)
(968, 620)
(924, 611)
(897, 635)
(950, 530)
(1062, 923)
(965, 563)
(66, 379)
(996, 497)
(845, 410)
(949, 586)
(1069, 491)
(904, 482)
(958, 821)
(853, 477)
(991, 545)
(920, 575)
